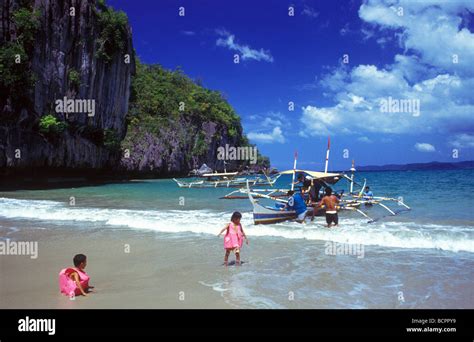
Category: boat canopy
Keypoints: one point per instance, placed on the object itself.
(331, 178)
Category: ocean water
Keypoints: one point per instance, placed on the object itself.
(423, 258)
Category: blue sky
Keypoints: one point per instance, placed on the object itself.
(413, 52)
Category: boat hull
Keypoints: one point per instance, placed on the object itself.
(275, 216)
(269, 215)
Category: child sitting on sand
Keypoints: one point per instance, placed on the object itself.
(74, 280)
(233, 239)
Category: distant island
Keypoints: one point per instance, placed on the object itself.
(419, 166)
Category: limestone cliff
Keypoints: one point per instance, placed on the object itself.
(58, 50)
(68, 57)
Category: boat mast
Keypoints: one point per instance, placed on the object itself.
(294, 171)
(327, 156)
(352, 177)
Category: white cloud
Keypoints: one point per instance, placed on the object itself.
(309, 12)
(425, 147)
(319, 121)
(228, 40)
(430, 27)
(269, 119)
(336, 79)
(383, 40)
(364, 140)
(367, 33)
(188, 33)
(345, 30)
(430, 32)
(275, 136)
(463, 140)
(270, 122)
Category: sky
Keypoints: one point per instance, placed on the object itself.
(391, 82)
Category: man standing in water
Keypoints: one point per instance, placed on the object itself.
(330, 203)
(368, 194)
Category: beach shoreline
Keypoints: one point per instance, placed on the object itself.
(142, 278)
(174, 257)
(145, 269)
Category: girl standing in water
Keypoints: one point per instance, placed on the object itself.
(234, 238)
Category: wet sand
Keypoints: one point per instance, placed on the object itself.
(146, 277)
(184, 271)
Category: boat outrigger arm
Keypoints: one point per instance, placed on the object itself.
(377, 200)
(242, 193)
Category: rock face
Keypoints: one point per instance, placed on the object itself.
(64, 44)
(172, 151)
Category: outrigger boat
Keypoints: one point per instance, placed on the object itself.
(265, 214)
(273, 214)
(226, 180)
(276, 213)
(351, 201)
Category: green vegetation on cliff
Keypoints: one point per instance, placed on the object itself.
(16, 78)
(112, 31)
(165, 94)
(74, 78)
(51, 127)
(161, 99)
(27, 23)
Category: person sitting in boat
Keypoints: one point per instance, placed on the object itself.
(299, 180)
(296, 202)
(307, 182)
(313, 191)
(368, 195)
(330, 203)
(74, 281)
(304, 183)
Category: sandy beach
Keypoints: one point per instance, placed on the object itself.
(143, 278)
(182, 270)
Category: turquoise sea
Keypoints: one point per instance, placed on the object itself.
(426, 254)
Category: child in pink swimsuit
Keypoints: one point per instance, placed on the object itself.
(234, 238)
(74, 281)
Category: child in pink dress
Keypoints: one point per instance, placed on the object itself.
(234, 238)
(74, 281)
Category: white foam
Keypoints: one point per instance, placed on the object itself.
(351, 230)
(218, 287)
